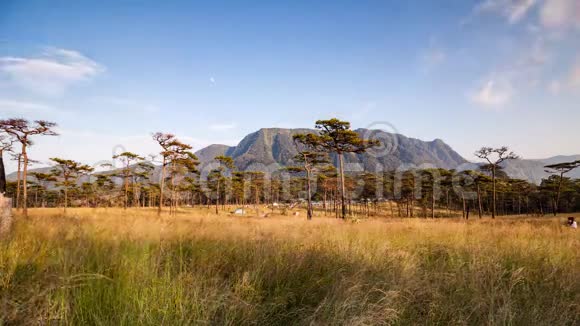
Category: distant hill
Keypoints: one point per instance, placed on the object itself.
(534, 171)
(560, 159)
(11, 177)
(208, 153)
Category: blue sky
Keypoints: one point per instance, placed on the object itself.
(473, 73)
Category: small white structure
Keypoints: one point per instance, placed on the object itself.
(239, 211)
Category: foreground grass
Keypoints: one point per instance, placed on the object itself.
(109, 267)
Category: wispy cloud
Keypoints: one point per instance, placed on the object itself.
(222, 126)
(552, 14)
(51, 73)
(551, 24)
(560, 14)
(512, 10)
(493, 93)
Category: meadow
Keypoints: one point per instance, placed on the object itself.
(115, 267)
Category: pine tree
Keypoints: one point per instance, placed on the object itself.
(127, 160)
(335, 136)
(310, 161)
(172, 151)
(561, 169)
(494, 157)
(43, 180)
(217, 176)
(68, 171)
(23, 130)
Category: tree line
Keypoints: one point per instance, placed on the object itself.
(172, 179)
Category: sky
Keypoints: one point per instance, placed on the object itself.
(472, 73)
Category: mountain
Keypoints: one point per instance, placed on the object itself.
(208, 153)
(534, 170)
(272, 148)
(12, 177)
(560, 159)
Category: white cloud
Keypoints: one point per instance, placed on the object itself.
(222, 126)
(512, 10)
(560, 14)
(495, 92)
(51, 73)
(553, 14)
(20, 107)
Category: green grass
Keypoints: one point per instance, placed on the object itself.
(109, 267)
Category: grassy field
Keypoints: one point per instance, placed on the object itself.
(115, 267)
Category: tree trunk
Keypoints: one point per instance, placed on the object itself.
(324, 200)
(309, 194)
(399, 209)
(217, 197)
(342, 186)
(479, 209)
(448, 207)
(161, 185)
(126, 181)
(433, 203)
(136, 194)
(65, 195)
(172, 199)
(2, 174)
(464, 204)
(557, 203)
(493, 209)
(18, 182)
(24, 181)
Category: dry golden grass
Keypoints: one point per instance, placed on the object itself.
(110, 266)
